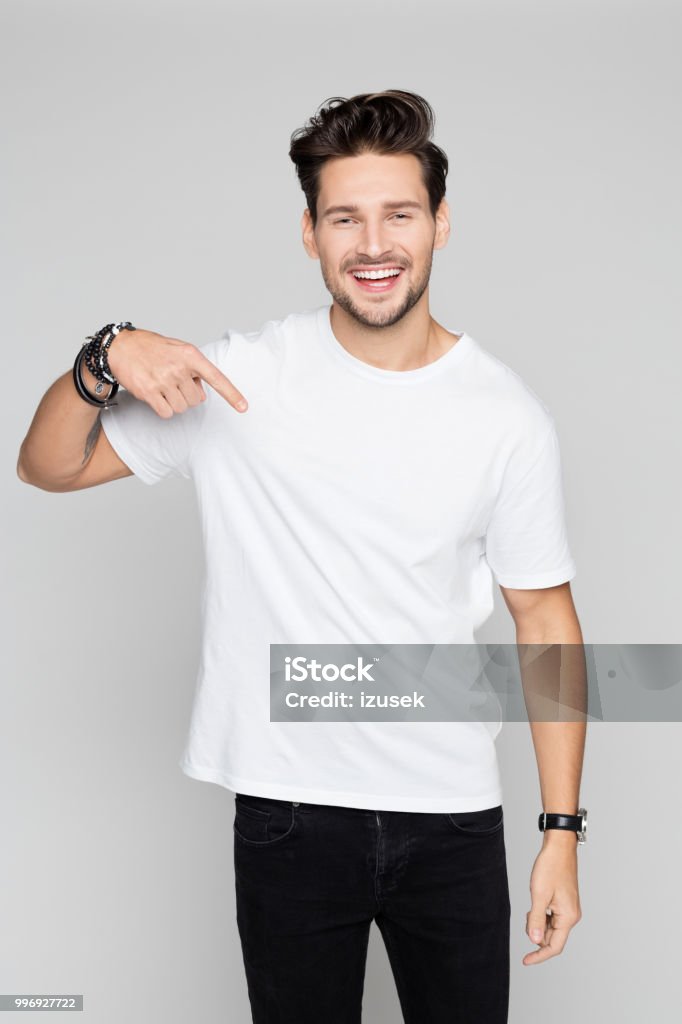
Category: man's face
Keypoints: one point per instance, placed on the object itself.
(373, 214)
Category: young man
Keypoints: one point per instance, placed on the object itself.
(385, 469)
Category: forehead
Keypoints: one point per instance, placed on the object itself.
(369, 178)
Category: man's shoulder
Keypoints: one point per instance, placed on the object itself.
(263, 341)
(270, 332)
(510, 392)
(278, 327)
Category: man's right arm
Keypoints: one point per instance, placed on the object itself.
(66, 449)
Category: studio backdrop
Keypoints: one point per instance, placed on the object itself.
(146, 177)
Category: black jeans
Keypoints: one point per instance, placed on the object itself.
(311, 878)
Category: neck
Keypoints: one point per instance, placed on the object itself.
(413, 341)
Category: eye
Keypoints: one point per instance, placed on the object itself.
(341, 220)
(406, 215)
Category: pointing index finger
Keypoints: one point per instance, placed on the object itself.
(209, 372)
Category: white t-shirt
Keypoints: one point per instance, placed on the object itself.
(354, 505)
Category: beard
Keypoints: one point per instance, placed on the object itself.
(380, 316)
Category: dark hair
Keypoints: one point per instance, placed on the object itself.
(393, 121)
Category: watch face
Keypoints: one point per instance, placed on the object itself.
(582, 835)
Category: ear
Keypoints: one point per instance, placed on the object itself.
(308, 232)
(442, 225)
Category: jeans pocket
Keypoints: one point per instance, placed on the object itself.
(485, 822)
(260, 821)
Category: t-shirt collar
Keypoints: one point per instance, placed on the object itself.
(331, 343)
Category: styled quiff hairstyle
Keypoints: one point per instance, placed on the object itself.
(393, 121)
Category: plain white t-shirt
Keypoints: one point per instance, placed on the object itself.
(351, 504)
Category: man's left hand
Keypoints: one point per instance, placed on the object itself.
(554, 894)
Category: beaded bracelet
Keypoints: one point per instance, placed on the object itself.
(94, 352)
(83, 391)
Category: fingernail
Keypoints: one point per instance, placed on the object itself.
(536, 935)
(241, 405)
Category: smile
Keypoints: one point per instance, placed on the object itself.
(376, 280)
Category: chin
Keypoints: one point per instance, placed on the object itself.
(382, 318)
(373, 314)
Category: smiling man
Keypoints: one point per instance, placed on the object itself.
(364, 475)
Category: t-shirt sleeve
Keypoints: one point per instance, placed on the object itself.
(526, 541)
(151, 446)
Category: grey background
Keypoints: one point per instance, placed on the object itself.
(146, 177)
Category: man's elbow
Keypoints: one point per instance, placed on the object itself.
(26, 475)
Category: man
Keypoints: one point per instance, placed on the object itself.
(361, 473)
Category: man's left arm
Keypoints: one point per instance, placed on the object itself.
(547, 617)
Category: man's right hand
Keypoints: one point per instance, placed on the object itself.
(167, 373)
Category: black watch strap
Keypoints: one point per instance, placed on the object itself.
(568, 822)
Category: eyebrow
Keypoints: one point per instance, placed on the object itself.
(392, 205)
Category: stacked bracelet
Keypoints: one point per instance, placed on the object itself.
(94, 351)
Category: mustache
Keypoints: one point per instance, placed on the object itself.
(371, 266)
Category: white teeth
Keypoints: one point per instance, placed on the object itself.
(375, 275)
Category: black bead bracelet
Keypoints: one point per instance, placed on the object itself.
(94, 352)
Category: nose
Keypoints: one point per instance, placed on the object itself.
(373, 242)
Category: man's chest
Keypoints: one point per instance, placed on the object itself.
(417, 467)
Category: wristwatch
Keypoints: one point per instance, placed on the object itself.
(569, 822)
